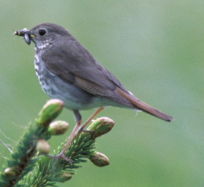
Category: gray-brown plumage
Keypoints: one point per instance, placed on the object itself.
(67, 71)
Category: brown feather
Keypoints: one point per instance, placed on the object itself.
(144, 106)
(71, 62)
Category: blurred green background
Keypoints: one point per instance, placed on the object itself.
(156, 48)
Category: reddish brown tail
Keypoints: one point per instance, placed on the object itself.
(144, 107)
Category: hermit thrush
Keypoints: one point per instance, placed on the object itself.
(67, 71)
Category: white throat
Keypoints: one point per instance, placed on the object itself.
(43, 45)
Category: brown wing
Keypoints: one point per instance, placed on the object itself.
(73, 63)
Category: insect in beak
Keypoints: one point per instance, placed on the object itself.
(26, 34)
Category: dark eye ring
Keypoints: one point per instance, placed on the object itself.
(42, 32)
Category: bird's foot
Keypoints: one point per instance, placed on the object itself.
(78, 123)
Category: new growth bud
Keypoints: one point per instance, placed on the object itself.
(11, 172)
(100, 126)
(50, 111)
(65, 176)
(58, 127)
(99, 159)
(43, 147)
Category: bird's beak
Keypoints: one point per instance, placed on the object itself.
(26, 34)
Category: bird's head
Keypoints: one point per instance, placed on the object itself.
(43, 34)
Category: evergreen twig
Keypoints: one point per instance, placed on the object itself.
(21, 161)
(27, 168)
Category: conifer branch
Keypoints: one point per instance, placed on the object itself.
(22, 161)
(31, 165)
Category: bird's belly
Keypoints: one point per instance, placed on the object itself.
(72, 96)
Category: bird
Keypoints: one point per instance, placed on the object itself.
(68, 71)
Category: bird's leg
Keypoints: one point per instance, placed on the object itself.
(77, 117)
(76, 131)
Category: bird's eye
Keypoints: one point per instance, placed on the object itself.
(42, 32)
